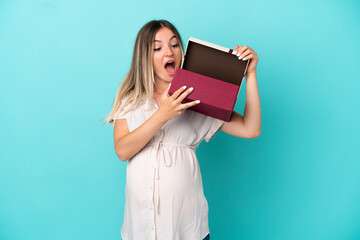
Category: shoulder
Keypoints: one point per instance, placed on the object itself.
(132, 101)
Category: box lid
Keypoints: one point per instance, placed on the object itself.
(214, 61)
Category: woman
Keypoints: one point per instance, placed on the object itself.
(153, 130)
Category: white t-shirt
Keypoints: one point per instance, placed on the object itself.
(164, 192)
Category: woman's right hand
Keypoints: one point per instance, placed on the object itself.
(127, 143)
(171, 106)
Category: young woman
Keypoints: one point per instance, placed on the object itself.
(158, 137)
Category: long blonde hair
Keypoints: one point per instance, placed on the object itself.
(140, 78)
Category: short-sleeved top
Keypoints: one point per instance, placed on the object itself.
(164, 196)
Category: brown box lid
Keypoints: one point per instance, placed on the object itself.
(214, 61)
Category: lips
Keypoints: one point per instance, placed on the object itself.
(170, 67)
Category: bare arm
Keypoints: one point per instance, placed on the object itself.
(127, 144)
(249, 125)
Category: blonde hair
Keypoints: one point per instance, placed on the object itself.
(140, 79)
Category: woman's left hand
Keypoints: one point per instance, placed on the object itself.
(245, 53)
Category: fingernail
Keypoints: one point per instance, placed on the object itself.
(244, 59)
(238, 54)
(239, 58)
(235, 52)
(169, 84)
(190, 89)
(184, 87)
(197, 101)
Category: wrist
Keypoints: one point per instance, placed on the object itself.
(158, 117)
(253, 72)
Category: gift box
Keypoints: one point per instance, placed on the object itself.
(215, 73)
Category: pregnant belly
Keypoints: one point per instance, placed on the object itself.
(175, 175)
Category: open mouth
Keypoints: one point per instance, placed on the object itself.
(170, 67)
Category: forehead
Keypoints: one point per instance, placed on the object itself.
(164, 34)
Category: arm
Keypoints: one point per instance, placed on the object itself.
(249, 125)
(127, 144)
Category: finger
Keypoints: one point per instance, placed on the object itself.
(166, 92)
(248, 57)
(236, 47)
(177, 92)
(244, 54)
(242, 50)
(189, 104)
(184, 95)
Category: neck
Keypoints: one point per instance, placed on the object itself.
(160, 87)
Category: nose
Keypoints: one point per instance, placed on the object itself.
(168, 51)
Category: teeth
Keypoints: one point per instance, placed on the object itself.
(169, 62)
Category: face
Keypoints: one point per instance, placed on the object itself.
(166, 55)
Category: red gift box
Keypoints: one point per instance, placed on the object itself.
(215, 73)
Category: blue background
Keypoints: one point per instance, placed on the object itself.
(60, 66)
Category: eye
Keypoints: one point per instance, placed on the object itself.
(175, 45)
(157, 49)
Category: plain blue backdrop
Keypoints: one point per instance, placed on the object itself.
(62, 61)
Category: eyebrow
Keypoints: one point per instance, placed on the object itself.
(169, 40)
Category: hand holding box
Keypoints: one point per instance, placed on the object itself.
(216, 75)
